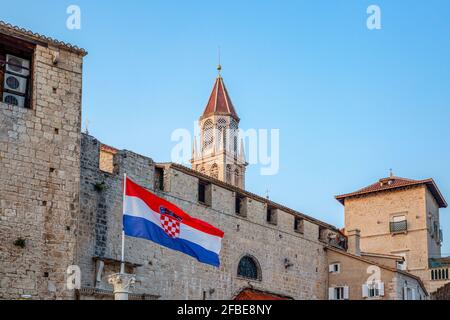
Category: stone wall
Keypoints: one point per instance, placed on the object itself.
(173, 275)
(39, 180)
(355, 272)
(372, 215)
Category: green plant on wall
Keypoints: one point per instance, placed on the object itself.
(99, 187)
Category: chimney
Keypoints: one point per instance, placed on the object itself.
(353, 242)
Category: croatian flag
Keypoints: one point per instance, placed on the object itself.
(149, 217)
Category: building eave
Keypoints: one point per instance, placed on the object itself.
(36, 38)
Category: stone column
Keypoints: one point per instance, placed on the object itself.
(122, 283)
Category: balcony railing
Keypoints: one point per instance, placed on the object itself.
(399, 226)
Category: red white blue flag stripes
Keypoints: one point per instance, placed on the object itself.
(149, 217)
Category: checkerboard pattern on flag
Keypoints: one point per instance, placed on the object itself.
(150, 217)
(170, 225)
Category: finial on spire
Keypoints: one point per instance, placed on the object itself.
(219, 66)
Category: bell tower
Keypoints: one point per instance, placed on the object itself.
(220, 153)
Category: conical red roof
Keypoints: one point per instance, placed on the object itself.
(219, 102)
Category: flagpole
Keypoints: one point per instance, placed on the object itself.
(122, 282)
(122, 259)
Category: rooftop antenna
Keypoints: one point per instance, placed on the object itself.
(391, 174)
(267, 194)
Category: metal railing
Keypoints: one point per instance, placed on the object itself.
(399, 226)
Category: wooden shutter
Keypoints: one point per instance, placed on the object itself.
(346, 293)
(381, 288)
(330, 293)
(365, 290)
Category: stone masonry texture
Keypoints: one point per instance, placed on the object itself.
(40, 175)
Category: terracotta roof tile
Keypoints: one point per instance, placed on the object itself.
(393, 182)
(219, 101)
(253, 294)
(17, 31)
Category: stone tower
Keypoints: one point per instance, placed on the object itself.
(400, 216)
(221, 152)
(40, 121)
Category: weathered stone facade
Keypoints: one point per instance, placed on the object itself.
(173, 275)
(356, 271)
(374, 212)
(40, 174)
(61, 205)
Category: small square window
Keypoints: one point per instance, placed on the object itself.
(299, 224)
(204, 193)
(271, 215)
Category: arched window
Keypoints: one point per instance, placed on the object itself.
(234, 135)
(249, 268)
(222, 133)
(214, 171)
(228, 173)
(208, 135)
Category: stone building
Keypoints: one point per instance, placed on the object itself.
(355, 275)
(40, 120)
(61, 201)
(400, 217)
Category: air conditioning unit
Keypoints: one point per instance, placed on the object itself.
(15, 83)
(17, 65)
(13, 99)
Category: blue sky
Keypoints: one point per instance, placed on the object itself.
(350, 103)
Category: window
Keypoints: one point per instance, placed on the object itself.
(298, 225)
(214, 171)
(439, 274)
(398, 224)
(373, 289)
(159, 178)
(334, 268)
(436, 232)
(271, 215)
(338, 293)
(240, 205)
(409, 293)
(208, 135)
(222, 133)
(228, 173)
(204, 193)
(401, 265)
(15, 71)
(249, 268)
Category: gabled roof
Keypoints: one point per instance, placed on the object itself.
(393, 182)
(37, 38)
(219, 101)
